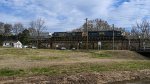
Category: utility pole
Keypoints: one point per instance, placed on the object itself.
(144, 41)
(87, 34)
(129, 41)
(113, 37)
(139, 42)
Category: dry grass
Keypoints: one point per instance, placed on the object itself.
(26, 58)
(23, 66)
(46, 61)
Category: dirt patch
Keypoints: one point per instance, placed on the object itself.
(82, 78)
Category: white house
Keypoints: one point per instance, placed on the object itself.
(15, 44)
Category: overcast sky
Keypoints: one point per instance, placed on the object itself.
(65, 15)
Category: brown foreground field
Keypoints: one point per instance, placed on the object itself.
(66, 66)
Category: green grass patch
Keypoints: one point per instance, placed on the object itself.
(10, 72)
(100, 55)
(13, 51)
(54, 58)
(78, 68)
(91, 67)
(18, 52)
(123, 66)
(56, 51)
(40, 58)
(36, 58)
(44, 71)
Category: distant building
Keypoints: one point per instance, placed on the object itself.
(15, 44)
(42, 35)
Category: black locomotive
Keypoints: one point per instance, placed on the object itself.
(67, 34)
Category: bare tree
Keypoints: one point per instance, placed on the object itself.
(78, 29)
(1, 28)
(97, 25)
(39, 26)
(17, 28)
(7, 29)
(32, 32)
(135, 33)
(101, 25)
(141, 31)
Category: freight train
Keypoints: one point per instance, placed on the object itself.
(90, 34)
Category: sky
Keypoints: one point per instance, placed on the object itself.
(65, 15)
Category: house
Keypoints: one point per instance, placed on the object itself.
(15, 44)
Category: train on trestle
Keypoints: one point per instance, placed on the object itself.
(109, 33)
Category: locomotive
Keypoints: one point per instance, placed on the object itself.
(67, 34)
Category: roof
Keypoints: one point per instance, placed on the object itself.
(10, 41)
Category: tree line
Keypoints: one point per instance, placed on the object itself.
(19, 32)
(97, 25)
(138, 30)
(141, 30)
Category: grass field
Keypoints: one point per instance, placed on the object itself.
(28, 62)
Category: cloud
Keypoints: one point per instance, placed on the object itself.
(129, 12)
(11, 19)
(64, 15)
